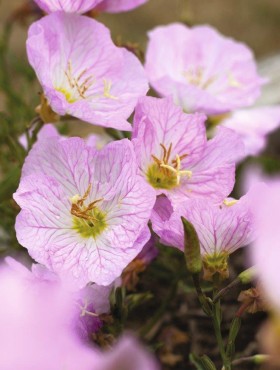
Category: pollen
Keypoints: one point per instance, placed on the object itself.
(88, 220)
(230, 203)
(79, 87)
(196, 77)
(165, 173)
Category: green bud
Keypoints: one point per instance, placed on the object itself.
(192, 248)
(247, 276)
(260, 359)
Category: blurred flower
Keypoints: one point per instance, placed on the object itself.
(221, 228)
(36, 331)
(69, 6)
(254, 125)
(116, 6)
(174, 156)
(127, 354)
(203, 70)
(265, 251)
(36, 320)
(82, 72)
(87, 303)
(84, 212)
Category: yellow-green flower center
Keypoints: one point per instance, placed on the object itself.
(164, 173)
(88, 220)
(91, 227)
(161, 178)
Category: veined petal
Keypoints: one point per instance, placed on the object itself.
(69, 6)
(82, 72)
(84, 212)
(68, 161)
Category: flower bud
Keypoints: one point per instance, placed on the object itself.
(192, 248)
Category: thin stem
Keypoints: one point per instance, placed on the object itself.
(225, 290)
(217, 328)
(204, 302)
(216, 319)
(256, 359)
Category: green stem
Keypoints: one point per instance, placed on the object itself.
(216, 318)
(205, 304)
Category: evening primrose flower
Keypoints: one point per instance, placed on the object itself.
(69, 6)
(35, 320)
(84, 212)
(265, 250)
(203, 70)
(222, 228)
(82, 72)
(174, 156)
(253, 125)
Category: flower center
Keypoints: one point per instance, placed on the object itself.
(196, 76)
(77, 88)
(216, 264)
(164, 173)
(88, 220)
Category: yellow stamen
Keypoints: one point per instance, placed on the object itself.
(107, 90)
(230, 203)
(232, 81)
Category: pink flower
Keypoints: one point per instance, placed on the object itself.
(116, 6)
(127, 354)
(82, 72)
(82, 6)
(253, 125)
(69, 6)
(174, 156)
(222, 228)
(87, 304)
(265, 252)
(203, 70)
(84, 212)
(35, 326)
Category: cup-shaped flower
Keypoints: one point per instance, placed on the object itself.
(69, 6)
(116, 6)
(203, 70)
(221, 228)
(82, 72)
(174, 156)
(253, 125)
(84, 212)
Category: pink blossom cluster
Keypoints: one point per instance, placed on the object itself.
(87, 213)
